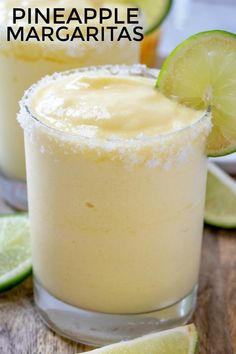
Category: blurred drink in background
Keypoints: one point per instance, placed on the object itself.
(23, 63)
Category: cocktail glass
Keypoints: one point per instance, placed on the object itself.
(116, 228)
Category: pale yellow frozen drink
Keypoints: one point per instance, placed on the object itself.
(24, 62)
(116, 181)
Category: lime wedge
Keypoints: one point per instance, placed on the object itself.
(201, 73)
(220, 208)
(155, 11)
(181, 340)
(15, 254)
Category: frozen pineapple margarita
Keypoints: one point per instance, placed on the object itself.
(116, 180)
(22, 63)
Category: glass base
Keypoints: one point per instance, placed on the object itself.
(14, 192)
(100, 329)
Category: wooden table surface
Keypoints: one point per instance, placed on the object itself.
(22, 331)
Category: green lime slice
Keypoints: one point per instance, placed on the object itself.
(220, 208)
(201, 72)
(155, 11)
(181, 340)
(15, 254)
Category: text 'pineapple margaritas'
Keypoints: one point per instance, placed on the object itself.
(24, 62)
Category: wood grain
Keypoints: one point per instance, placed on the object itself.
(23, 332)
(215, 315)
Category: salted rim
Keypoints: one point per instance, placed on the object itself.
(129, 70)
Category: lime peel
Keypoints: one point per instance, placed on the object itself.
(154, 11)
(15, 254)
(220, 208)
(180, 340)
(18, 274)
(201, 71)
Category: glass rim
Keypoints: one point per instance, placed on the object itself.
(130, 70)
